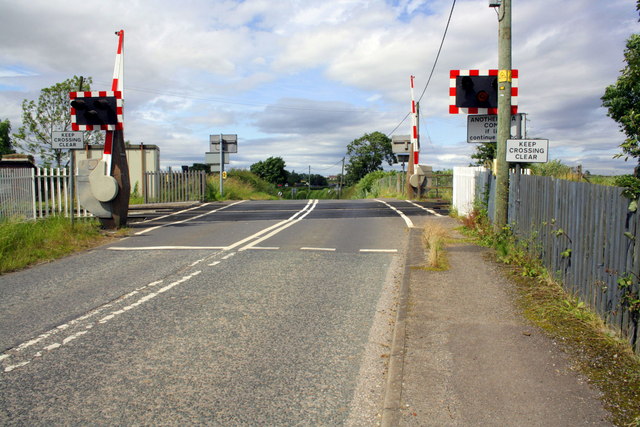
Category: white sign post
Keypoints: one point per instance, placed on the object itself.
(527, 150)
(69, 140)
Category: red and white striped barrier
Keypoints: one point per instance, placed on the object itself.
(117, 86)
(415, 140)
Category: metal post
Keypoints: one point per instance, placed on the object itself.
(341, 178)
(72, 186)
(504, 114)
(221, 168)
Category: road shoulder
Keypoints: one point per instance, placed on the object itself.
(469, 357)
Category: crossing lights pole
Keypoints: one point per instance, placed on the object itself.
(504, 114)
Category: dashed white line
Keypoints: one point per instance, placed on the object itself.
(264, 248)
(318, 249)
(165, 248)
(384, 251)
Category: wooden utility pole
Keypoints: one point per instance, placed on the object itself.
(504, 114)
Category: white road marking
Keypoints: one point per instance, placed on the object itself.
(384, 251)
(402, 215)
(75, 322)
(264, 248)
(146, 230)
(431, 211)
(175, 213)
(318, 249)
(288, 223)
(266, 230)
(298, 216)
(11, 368)
(166, 248)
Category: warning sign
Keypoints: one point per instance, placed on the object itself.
(527, 150)
(67, 140)
(484, 127)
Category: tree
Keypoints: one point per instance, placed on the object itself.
(318, 180)
(485, 153)
(5, 138)
(271, 170)
(622, 99)
(200, 167)
(51, 113)
(294, 178)
(366, 154)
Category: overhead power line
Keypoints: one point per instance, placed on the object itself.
(444, 35)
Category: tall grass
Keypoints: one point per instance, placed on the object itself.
(25, 243)
(435, 237)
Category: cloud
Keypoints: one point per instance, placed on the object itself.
(303, 79)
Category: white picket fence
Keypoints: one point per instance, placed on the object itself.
(35, 193)
(468, 182)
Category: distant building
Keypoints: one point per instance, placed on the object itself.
(17, 161)
(140, 158)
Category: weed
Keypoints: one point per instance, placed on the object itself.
(435, 237)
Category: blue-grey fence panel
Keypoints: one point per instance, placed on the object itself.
(586, 236)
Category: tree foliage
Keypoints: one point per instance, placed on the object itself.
(622, 99)
(366, 155)
(485, 153)
(271, 170)
(5, 138)
(50, 113)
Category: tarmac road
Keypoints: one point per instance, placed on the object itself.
(251, 313)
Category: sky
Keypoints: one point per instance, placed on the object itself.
(302, 79)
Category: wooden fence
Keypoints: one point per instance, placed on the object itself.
(439, 185)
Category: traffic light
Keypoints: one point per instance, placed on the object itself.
(477, 91)
(96, 110)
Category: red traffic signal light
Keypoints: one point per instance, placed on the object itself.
(477, 91)
(96, 110)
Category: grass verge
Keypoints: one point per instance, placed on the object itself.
(27, 243)
(597, 352)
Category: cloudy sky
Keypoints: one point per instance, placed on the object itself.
(301, 79)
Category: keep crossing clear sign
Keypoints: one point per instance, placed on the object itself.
(527, 150)
(67, 140)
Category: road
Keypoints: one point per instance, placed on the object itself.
(241, 313)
